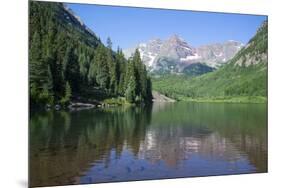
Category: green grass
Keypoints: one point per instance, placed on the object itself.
(238, 99)
(228, 84)
(118, 101)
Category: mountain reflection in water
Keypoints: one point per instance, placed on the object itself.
(165, 140)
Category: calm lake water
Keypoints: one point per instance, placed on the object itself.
(165, 140)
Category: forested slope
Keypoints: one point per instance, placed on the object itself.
(68, 61)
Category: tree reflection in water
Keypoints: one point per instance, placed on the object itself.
(159, 141)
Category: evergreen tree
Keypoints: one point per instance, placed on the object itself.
(121, 71)
(67, 96)
(72, 69)
(140, 76)
(102, 73)
(83, 60)
(92, 74)
(109, 43)
(143, 81)
(111, 63)
(40, 76)
(131, 86)
(56, 64)
(35, 58)
(149, 96)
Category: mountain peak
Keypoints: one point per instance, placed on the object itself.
(174, 53)
(231, 40)
(155, 40)
(235, 42)
(175, 38)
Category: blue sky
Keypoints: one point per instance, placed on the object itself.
(129, 26)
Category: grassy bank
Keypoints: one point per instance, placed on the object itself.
(118, 101)
(240, 99)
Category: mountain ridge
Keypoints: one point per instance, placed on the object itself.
(181, 54)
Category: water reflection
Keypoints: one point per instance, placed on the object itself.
(217, 131)
(159, 141)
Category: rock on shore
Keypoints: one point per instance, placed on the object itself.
(158, 97)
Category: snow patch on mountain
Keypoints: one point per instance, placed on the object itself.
(193, 57)
(175, 53)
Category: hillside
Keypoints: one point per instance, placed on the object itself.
(243, 78)
(67, 61)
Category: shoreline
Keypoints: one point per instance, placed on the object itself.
(237, 100)
(114, 102)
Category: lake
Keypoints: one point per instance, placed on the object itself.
(165, 140)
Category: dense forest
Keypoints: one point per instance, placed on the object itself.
(67, 61)
(242, 79)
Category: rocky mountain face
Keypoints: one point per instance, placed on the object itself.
(217, 54)
(72, 19)
(175, 55)
(255, 52)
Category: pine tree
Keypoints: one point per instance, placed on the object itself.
(109, 43)
(92, 74)
(121, 71)
(40, 76)
(112, 72)
(111, 63)
(140, 76)
(35, 58)
(68, 91)
(131, 86)
(67, 96)
(102, 73)
(72, 69)
(143, 81)
(56, 64)
(149, 96)
(83, 61)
